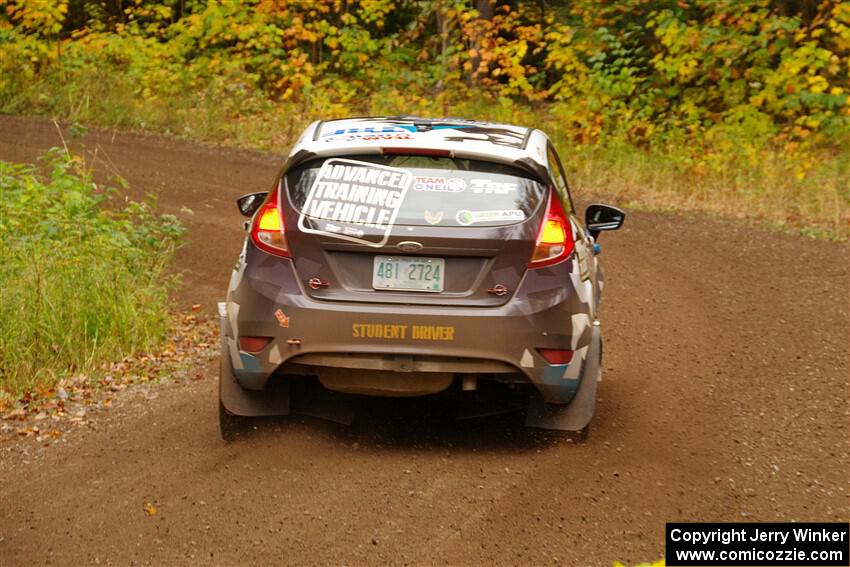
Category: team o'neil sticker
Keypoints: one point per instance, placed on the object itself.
(439, 184)
(355, 201)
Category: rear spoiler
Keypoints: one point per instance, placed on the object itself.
(526, 164)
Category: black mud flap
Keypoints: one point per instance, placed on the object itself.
(248, 403)
(576, 415)
(239, 401)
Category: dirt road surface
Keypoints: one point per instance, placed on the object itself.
(725, 398)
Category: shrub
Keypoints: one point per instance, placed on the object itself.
(83, 280)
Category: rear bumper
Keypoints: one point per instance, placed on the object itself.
(268, 300)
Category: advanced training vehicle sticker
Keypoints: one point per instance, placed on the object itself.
(350, 196)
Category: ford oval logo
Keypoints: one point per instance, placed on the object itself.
(409, 246)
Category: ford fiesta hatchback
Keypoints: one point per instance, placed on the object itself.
(407, 257)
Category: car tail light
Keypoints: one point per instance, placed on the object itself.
(267, 231)
(253, 344)
(555, 240)
(556, 355)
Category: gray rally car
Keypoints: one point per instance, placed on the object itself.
(402, 256)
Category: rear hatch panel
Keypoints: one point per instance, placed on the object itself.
(480, 251)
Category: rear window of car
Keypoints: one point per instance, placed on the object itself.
(413, 191)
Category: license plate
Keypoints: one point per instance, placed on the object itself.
(408, 273)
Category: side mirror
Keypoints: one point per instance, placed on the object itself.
(599, 217)
(248, 204)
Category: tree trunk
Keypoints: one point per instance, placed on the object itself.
(486, 10)
(443, 33)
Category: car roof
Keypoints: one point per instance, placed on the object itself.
(488, 141)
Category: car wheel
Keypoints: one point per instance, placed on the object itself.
(232, 426)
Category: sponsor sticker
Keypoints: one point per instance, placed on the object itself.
(282, 318)
(368, 137)
(370, 133)
(353, 196)
(490, 187)
(370, 130)
(467, 218)
(433, 218)
(439, 183)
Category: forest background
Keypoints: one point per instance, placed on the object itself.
(735, 108)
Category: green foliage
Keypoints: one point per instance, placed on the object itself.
(83, 281)
(44, 17)
(706, 69)
(712, 91)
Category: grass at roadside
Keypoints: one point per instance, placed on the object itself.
(47, 411)
(770, 190)
(84, 280)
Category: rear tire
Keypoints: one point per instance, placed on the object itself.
(232, 426)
